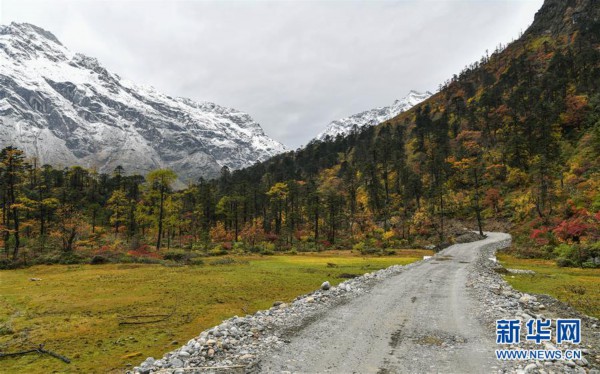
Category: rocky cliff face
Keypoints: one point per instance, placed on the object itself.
(563, 17)
(66, 109)
(372, 117)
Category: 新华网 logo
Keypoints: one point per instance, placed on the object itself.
(508, 331)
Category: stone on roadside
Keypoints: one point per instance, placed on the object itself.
(325, 286)
(176, 363)
(530, 368)
(149, 361)
(526, 299)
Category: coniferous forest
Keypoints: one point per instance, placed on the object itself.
(513, 141)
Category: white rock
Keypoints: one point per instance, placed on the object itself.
(526, 299)
(530, 368)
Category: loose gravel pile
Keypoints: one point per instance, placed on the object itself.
(237, 344)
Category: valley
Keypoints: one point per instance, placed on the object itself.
(147, 233)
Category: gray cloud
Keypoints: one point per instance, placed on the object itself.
(294, 66)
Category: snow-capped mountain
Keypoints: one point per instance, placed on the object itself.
(66, 109)
(374, 116)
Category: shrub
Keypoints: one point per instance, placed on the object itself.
(145, 260)
(590, 265)
(369, 251)
(254, 249)
(6, 264)
(217, 251)
(564, 262)
(144, 251)
(99, 260)
(365, 248)
(177, 256)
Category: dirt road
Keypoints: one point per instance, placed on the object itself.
(419, 321)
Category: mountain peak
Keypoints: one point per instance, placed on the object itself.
(563, 17)
(413, 93)
(24, 41)
(65, 108)
(29, 29)
(373, 117)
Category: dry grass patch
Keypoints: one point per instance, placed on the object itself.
(577, 287)
(76, 310)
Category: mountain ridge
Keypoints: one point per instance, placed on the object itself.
(65, 108)
(372, 117)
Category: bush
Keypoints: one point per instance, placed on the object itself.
(564, 262)
(145, 260)
(177, 256)
(564, 251)
(365, 248)
(254, 249)
(200, 246)
(99, 260)
(590, 265)
(6, 264)
(359, 246)
(217, 251)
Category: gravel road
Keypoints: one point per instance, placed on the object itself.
(418, 321)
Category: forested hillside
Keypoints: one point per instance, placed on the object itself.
(513, 140)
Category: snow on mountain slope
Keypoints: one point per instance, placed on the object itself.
(374, 116)
(66, 109)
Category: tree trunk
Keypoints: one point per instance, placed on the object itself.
(477, 207)
(316, 219)
(160, 217)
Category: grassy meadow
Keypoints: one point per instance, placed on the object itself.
(577, 287)
(75, 310)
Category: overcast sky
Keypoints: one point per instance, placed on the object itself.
(293, 66)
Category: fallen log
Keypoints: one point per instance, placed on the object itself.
(40, 349)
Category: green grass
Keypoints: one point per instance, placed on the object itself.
(75, 310)
(577, 287)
